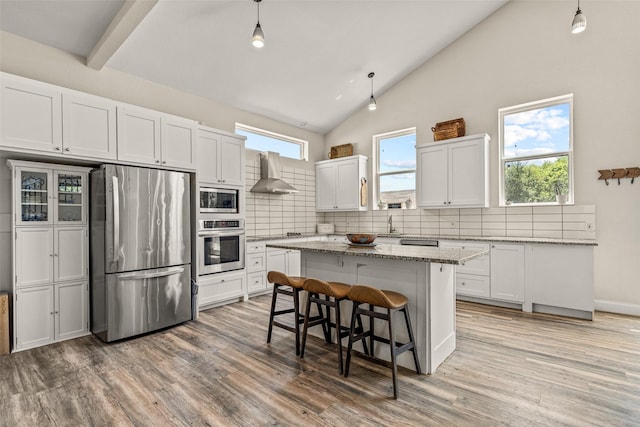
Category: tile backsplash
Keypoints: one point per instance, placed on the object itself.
(568, 221)
(276, 214)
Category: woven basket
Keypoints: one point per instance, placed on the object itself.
(449, 129)
(343, 150)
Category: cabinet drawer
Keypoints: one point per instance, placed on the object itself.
(474, 286)
(256, 282)
(213, 288)
(479, 266)
(255, 262)
(255, 247)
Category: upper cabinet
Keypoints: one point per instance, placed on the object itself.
(150, 137)
(54, 120)
(453, 173)
(88, 126)
(340, 184)
(220, 158)
(31, 114)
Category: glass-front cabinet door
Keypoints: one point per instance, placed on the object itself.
(69, 198)
(34, 198)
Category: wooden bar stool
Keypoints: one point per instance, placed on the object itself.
(291, 286)
(392, 302)
(334, 293)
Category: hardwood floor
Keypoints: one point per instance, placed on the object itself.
(510, 368)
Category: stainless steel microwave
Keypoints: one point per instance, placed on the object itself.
(219, 200)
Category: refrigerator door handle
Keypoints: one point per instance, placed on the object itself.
(116, 219)
(151, 275)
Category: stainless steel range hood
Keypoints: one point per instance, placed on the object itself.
(270, 176)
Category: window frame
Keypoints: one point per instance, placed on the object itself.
(376, 161)
(502, 160)
(302, 144)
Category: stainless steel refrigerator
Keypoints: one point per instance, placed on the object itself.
(140, 250)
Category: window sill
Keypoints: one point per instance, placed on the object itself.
(521, 205)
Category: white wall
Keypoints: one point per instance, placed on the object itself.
(525, 52)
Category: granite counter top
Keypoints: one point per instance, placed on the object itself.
(394, 252)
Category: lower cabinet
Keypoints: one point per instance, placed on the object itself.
(256, 266)
(218, 287)
(286, 261)
(49, 313)
(498, 275)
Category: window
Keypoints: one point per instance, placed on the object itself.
(536, 150)
(263, 140)
(395, 155)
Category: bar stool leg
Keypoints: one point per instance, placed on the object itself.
(371, 328)
(405, 310)
(351, 333)
(338, 335)
(392, 347)
(273, 309)
(306, 325)
(360, 329)
(296, 317)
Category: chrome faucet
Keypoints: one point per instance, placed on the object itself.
(391, 229)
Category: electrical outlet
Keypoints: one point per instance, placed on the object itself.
(588, 226)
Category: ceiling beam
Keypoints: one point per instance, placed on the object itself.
(121, 27)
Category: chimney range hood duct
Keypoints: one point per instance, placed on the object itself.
(270, 176)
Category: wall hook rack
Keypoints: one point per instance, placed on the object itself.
(619, 173)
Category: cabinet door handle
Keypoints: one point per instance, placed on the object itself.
(66, 149)
(57, 148)
(444, 203)
(463, 284)
(164, 162)
(449, 202)
(157, 161)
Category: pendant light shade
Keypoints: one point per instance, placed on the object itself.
(579, 21)
(372, 101)
(258, 35)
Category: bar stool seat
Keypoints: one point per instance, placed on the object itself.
(334, 293)
(291, 286)
(391, 302)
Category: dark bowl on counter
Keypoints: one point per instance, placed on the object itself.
(361, 238)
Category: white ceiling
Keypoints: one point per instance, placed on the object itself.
(313, 68)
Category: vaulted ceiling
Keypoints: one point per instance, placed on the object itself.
(312, 71)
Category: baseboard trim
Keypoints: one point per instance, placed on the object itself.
(617, 307)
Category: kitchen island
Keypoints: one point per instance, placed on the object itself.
(425, 275)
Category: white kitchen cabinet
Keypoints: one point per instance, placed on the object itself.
(256, 267)
(562, 277)
(339, 183)
(89, 126)
(453, 173)
(58, 121)
(286, 261)
(219, 287)
(49, 313)
(473, 277)
(50, 253)
(49, 195)
(507, 272)
(30, 114)
(152, 138)
(220, 158)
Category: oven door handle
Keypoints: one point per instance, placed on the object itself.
(220, 233)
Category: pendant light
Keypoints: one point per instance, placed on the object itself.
(258, 36)
(579, 21)
(372, 100)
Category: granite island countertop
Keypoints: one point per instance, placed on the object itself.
(394, 252)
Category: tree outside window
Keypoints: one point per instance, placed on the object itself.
(536, 152)
(395, 154)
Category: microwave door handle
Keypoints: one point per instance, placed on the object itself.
(116, 219)
(151, 275)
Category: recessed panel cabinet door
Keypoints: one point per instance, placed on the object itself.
(207, 160)
(325, 187)
(71, 310)
(70, 254)
(347, 194)
(432, 177)
(34, 317)
(232, 161)
(466, 174)
(138, 135)
(89, 124)
(34, 256)
(507, 272)
(31, 115)
(178, 143)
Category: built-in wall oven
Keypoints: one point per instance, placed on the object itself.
(221, 245)
(219, 200)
